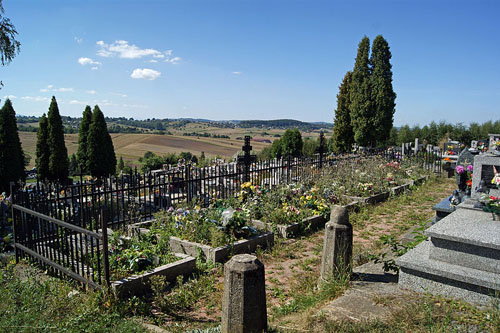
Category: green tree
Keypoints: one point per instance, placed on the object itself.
(101, 153)
(277, 148)
(361, 108)
(343, 136)
(83, 133)
(309, 147)
(404, 135)
(58, 159)
(11, 152)
(382, 93)
(121, 164)
(292, 143)
(9, 46)
(42, 149)
(73, 166)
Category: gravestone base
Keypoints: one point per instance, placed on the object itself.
(460, 259)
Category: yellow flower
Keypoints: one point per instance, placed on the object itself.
(308, 197)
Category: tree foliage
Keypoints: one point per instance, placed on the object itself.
(58, 158)
(101, 153)
(42, 149)
(83, 133)
(291, 143)
(343, 135)
(9, 46)
(362, 112)
(382, 93)
(11, 152)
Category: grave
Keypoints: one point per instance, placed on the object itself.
(494, 146)
(484, 169)
(461, 257)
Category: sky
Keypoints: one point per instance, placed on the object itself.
(256, 59)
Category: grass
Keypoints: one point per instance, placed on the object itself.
(49, 304)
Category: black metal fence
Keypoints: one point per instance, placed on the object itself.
(62, 227)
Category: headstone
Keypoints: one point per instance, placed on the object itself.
(465, 158)
(473, 144)
(429, 148)
(403, 151)
(244, 299)
(416, 148)
(484, 169)
(452, 148)
(494, 139)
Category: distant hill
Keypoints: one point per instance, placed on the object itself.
(131, 125)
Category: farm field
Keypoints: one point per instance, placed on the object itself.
(133, 146)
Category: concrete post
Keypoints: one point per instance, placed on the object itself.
(337, 247)
(403, 150)
(244, 300)
(416, 146)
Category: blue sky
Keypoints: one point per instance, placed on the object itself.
(250, 59)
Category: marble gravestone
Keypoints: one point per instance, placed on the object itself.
(465, 158)
(494, 138)
(484, 169)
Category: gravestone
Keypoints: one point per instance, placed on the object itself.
(473, 144)
(416, 148)
(465, 158)
(484, 169)
(452, 148)
(494, 138)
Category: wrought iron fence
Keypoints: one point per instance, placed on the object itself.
(62, 227)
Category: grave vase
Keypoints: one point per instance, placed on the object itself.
(461, 179)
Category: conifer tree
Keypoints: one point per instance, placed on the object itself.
(121, 164)
(11, 152)
(58, 159)
(343, 136)
(101, 153)
(42, 149)
(362, 112)
(382, 93)
(81, 154)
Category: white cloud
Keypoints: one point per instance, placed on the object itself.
(87, 61)
(78, 40)
(50, 87)
(174, 60)
(91, 92)
(9, 97)
(145, 73)
(135, 106)
(77, 102)
(122, 49)
(236, 73)
(153, 60)
(36, 98)
(64, 90)
(118, 94)
(94, 68)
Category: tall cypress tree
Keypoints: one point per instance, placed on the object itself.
(58, 159)
(362, 112)
(11, 152)
(81, 154)
(382, 94)
(343, 135)
(101, 153)
(42, 149)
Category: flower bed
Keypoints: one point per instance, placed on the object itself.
(138, 284)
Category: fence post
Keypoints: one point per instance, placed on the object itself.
(105, 258)
(14, 233)
(187, 178)
(321, 148)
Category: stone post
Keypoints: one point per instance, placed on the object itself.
(244, 300)
(403, 150)
(337, 247)
(416, 146)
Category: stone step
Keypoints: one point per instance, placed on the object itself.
(467, 226)
(421, 273)
(468, 255)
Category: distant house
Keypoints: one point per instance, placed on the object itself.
(262, 140)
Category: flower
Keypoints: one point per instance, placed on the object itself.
(460, 169)
(470, 168)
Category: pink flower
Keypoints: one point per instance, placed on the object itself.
(460, 169)
(470, 167)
